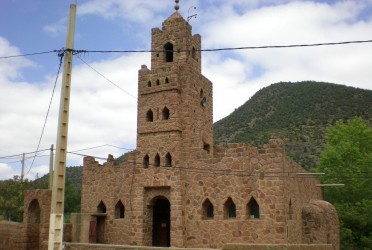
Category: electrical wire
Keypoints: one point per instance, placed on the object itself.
(231, 48)
(17, 155)
(29, 54)
(205, 50)
(60, 55)
(106, 78)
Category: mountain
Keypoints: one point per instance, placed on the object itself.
(298, 113)
(73, 177)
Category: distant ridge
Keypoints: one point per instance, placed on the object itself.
(298, 113)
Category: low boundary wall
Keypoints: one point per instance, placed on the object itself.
(81, 246)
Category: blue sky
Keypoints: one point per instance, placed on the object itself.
(103, 116)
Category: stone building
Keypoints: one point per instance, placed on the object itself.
(179, 189)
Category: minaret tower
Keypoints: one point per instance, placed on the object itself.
(175, 109)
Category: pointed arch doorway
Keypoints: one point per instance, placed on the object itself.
(161, 222)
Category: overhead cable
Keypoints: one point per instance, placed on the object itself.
(60, 54)
(206, 50)
(106, 78)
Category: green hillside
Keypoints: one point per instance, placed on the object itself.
(298, 113)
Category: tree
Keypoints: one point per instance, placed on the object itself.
(11, 198)
(347, 159)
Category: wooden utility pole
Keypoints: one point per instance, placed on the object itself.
(58, 189)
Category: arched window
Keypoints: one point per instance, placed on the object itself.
(208, 210)
(253, 209)
(101, 208)
(229, 209)
(157, 160)
(166, 80)
(119, 210)
(168, 160)
(149, 84)
(168, 51)
(34, 212)
(146, 161)
(149, 116)
(165, 113)
(206, 147)
(158, 82)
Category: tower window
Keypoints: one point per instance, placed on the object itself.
(165, 113)
(146, 161)
(206, 147)
(168, 50)
(119, 210)
(149, 84)
(149, 116)
(168, 160)
(253, 209)
(229, 209)
(166, 80)
(157, 160)
(158, 82)
(101, 208)
(208, 210)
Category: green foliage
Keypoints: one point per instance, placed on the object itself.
(11, 198)
(12, 194)
(295, 112)
(347, 159)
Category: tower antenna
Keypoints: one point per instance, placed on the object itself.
(188, 14)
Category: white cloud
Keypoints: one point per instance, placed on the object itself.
(56, 28)
(102, 114)
(6, 172)
(139, 11)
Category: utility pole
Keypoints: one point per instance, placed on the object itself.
(23, 167)
(58, 188)
(51, 173)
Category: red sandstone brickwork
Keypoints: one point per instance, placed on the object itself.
(33, 233)
(210, 190)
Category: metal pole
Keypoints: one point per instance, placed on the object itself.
(50, 182)
(58, 189)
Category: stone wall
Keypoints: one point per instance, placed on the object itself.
(277, 247)
(11, 235)
(320, 223)
(33, 233)
(238, 173)
(75, 246)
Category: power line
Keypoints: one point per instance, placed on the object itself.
(30, 54)
(205, 50)
(16, 155)
(231, 48)
(60, 55)
(106, 78)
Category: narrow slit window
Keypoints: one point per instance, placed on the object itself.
(157, 160)
(229, 209)
(149, 116)
(119, 210)
(168, 160)
(146, 161)
(253, 209)
(208, 210)
(165, 113)
(168, 51)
